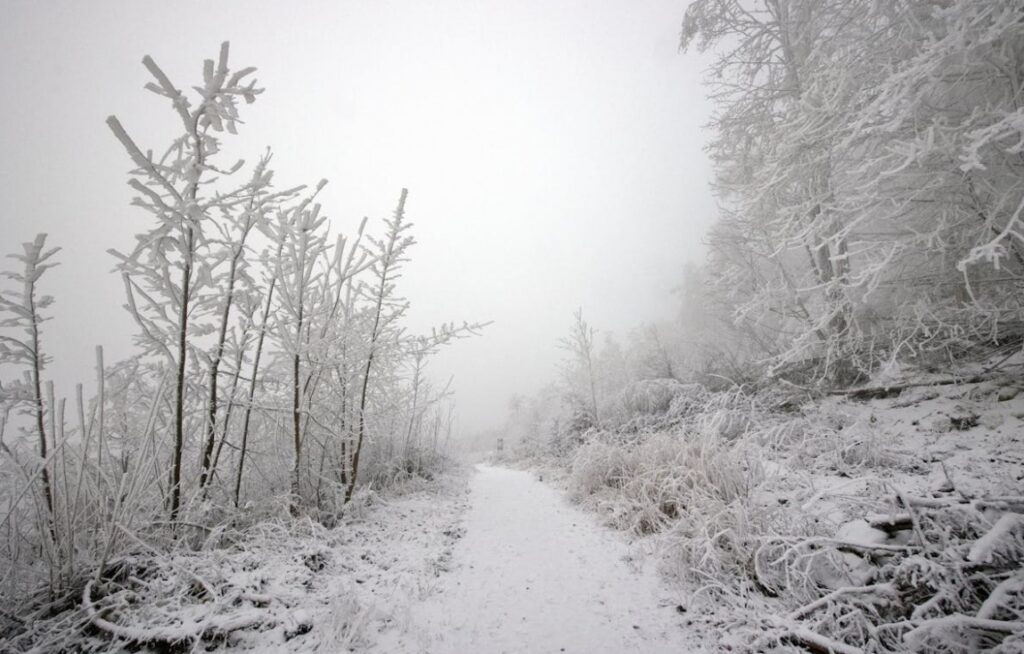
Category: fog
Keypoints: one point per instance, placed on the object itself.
(552, 152)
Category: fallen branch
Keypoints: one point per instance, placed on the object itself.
(213, 625)
(958, 622)
(1013, 504)
(10, 616)
(1001, 594)
(815, 642)
(855, 547)
(928, 502)
(807, 609)
(892, 390)
(983, 550)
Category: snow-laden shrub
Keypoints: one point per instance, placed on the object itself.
(782, 437)
(653, 396)
(598, 465)
(655, 405)
(652, 405)
(827, 442)
(732, 549)
(699, 492)
(643, 486)
(399, 469)
(692, 399)
(359, 505)
(728, 414)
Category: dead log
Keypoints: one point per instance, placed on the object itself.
(866, 393)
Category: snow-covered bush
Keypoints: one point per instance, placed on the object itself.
(644, 484)
(650, 405)
(651, 396)
(728, 549)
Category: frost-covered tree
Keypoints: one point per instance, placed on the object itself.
(867, 157)
(938, 194)
(783, 83)
(384, 332)
(21, 311)
(390, 394)
(580, 368)
(266, 346)
(231, 279)
(301, 234)
(167, 272)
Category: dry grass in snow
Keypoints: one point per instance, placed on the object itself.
(831, 524)
(276, 586)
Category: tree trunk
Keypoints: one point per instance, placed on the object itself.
(37, 390)
(252, 386)
(179, 395)
(361, 423)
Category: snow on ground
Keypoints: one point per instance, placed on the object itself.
(514, 567)
(367, 570)
(806, 490)
(517, 568)
(535, 574)
(951, 441)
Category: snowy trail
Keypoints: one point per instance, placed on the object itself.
(535, 574)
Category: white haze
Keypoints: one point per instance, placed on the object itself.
(553, 153)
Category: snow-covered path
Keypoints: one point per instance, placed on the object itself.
(535, 574)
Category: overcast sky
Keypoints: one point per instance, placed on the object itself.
(552, 150)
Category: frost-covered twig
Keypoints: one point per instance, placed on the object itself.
(884, 590)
